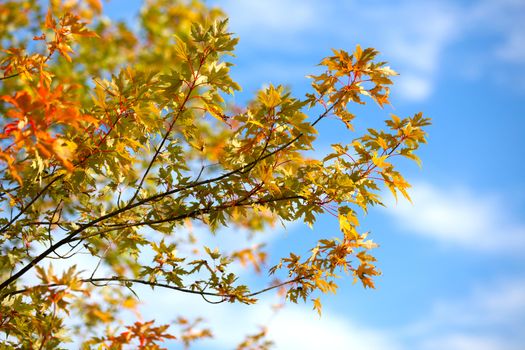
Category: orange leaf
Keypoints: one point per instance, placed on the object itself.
(95, 5)
(50, 22)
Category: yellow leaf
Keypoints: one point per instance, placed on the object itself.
(396, 119)
(379, 161)
(381, 142)
(102, 315)
(64, 50)
(50, 22)
(216, 112)
(317, 305)
(130, 303)
(255, 122)
(368, 244)
(358, 52)
(352, 218)
(347, 224)
(181, 50)
(270, 97)
(65, 151)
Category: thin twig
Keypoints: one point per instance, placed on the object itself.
(191, 87)
(25, 208)
(124, 280)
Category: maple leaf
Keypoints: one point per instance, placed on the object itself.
(64, 150)
(317, 305)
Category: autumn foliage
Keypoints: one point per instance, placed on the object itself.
(115, 142)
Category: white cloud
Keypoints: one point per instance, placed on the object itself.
(501, 302)
(475, 321)
(415, 37)
(294, 327)
(503, 18)
(513, 49)
(414, 87)
(300, 328)
(273, 16)
(467, 342)
(458, 216)
(412, 35)
(271, 23)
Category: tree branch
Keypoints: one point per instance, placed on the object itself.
(24, 209)
(10, 76)
(69, 238)
(124, 280)
(192, 214)
(168, 132)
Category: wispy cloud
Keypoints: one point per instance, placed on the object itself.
(460, 341)
(504, 19)
(501, 302)
(300, 328)
(294, 327)
(459, 216)
(417, 38)
(491, 317)
(414, 86)
(271, 16)
(476, 320)
(412, 35)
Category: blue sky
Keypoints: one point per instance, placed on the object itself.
(453, 263)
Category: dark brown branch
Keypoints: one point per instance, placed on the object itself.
(168, 132)
(295, 280)
(157, 152)
(25, 208)
(123, 280)
(10, 76)
(69, 238)
(191, 214)
(49, 237)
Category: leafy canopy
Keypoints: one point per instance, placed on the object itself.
(115, 142)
